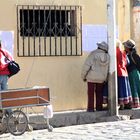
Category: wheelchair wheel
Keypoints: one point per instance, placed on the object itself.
(17, 122)
(3, 125)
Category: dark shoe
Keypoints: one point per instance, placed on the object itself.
(99, 109)
(90, 110)
(105, 108)
(121, 107)
(128, 106)
(135, 106)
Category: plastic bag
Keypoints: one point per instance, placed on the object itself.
(48, 111)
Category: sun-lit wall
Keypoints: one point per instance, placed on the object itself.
(61, 74)
(124, 19)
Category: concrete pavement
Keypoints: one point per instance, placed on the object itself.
(82, 125)
(78, 117)
(118, 130)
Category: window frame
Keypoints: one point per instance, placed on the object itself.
(64, 44)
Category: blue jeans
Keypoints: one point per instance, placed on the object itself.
(4, 86)
(3, 82)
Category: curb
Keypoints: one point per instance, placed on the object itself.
(77, 117)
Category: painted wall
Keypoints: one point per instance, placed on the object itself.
(135, 23)
(61, 74)
(129, 21)
(124, 19)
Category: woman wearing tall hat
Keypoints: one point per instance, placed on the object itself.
(133, 69)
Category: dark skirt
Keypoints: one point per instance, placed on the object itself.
(124, 91)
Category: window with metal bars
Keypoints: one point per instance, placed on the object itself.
(49, 30)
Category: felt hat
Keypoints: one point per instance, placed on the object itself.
(129, 43)
(103, 46)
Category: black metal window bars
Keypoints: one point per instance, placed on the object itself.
(49, 30)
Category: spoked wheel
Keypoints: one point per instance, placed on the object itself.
(17, 122)
(3, 125)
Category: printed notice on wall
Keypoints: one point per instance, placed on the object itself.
(91, 34)
(7, 40)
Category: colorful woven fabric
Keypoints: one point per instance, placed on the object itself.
(134, 78)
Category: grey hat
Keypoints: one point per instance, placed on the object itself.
(129, 43)
(103, 46)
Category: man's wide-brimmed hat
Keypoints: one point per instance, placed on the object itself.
(129, 43)
(103, 46)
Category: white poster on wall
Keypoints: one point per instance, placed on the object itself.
(7, 40)
(91, 34)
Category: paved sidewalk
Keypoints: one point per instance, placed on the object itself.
(78, 117)
(118, 130)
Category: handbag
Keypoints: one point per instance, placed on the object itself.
(13, 67)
